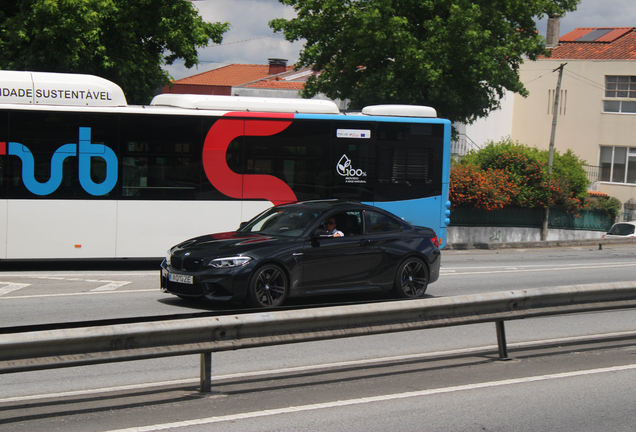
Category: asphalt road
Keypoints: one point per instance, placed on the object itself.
(438, 380)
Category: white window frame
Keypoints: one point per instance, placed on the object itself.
(630, 153)
(620, 94)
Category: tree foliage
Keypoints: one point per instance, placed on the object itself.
(525, 169)
(459, 56)
(125, 41)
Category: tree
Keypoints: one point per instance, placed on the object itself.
(459, 56)
(125, 41)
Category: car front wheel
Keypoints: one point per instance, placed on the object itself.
(411, 279)
(268, 287)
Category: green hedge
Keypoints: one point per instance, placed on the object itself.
(592, 220)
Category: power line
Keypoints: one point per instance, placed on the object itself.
(239, 41)
(572, 75)
(539, 77)
(585, 80)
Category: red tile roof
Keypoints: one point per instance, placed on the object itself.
(230, 75)
(613, 33)
(596, 193)
(275, 84)
(618, 44)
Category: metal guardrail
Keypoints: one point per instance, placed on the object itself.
(48, 349)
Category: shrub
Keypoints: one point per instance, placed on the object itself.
(610, 205)
(488, 189)
(528, 183)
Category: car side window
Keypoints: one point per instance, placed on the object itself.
(380, 223)
(349, 223)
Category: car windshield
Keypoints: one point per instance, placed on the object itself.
(622, 229)
(281, 222)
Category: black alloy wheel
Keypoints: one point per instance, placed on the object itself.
(411, 279)
(268, 287)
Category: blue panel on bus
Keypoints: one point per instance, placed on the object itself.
(421, 212)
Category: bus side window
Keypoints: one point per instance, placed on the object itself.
(159, 160)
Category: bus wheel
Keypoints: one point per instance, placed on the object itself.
(411, 279)
(268, 287)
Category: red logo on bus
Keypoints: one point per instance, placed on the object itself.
(244, 186)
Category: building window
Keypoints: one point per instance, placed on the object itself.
(620, 87)
(618, 164)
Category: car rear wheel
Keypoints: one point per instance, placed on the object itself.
(268, 287)
(411, 279)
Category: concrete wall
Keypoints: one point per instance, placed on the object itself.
(457, 234)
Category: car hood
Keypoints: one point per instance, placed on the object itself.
(229, 243)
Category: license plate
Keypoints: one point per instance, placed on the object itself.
(184, 279)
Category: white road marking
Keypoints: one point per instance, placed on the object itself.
(323, 366)
(467, 271)
(10, 287)
(373, 399)
(539, 266)
(111, 285)
(55, 274)
(79, 294)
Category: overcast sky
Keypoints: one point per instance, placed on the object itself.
(251, 41)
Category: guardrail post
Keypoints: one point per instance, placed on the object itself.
(501, 341)
(206, 372)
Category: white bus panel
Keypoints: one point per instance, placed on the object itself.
(61, 229)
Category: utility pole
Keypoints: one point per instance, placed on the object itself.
(546, 214)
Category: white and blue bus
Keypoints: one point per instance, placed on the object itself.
(85, 175)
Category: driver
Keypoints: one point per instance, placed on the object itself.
(330, 224)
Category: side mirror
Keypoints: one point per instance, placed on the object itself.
(242, 225)
(322, 233)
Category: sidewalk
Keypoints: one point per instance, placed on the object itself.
(540, 244)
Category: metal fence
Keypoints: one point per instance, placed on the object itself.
(463, 145)
(592, 220)
(593, 173)
(85, 345)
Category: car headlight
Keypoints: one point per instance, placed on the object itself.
(230, 262)
(168, 257)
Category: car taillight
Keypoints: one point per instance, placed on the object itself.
(435, 241)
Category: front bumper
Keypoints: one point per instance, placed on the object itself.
(213, 284)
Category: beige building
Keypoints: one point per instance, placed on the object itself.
(597, 109)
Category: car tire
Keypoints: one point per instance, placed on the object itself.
(268, 287)
(411, 279)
